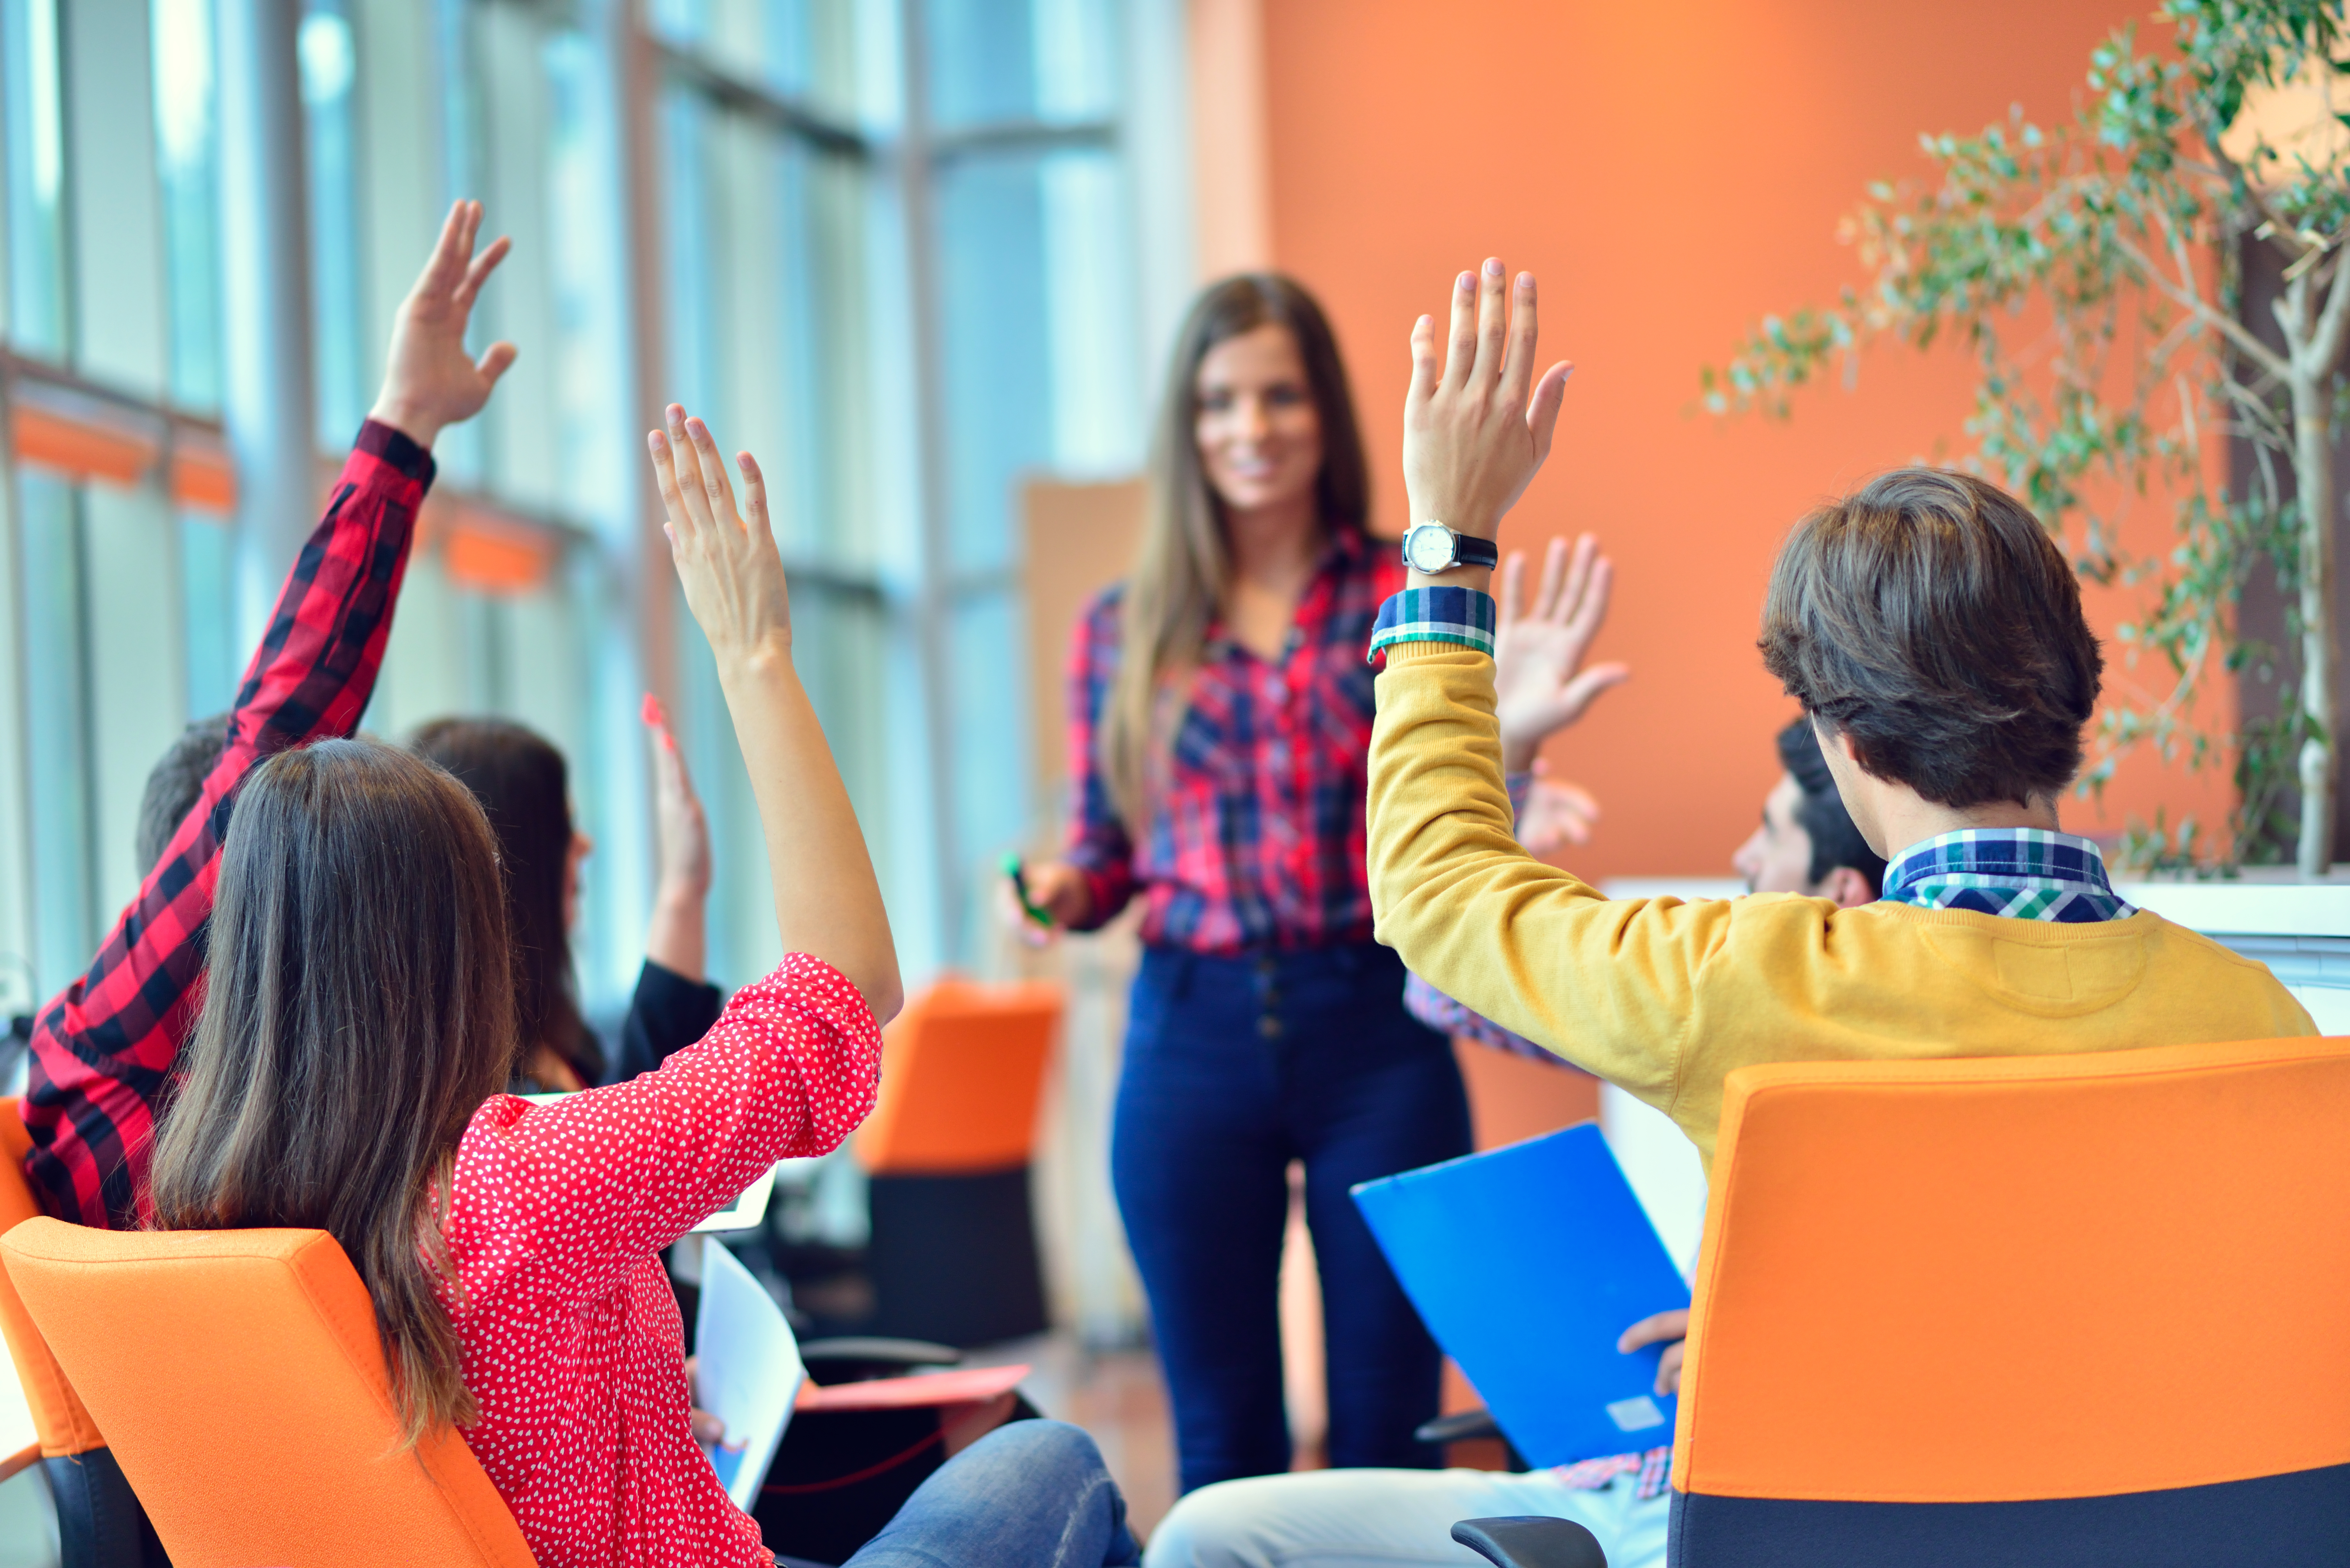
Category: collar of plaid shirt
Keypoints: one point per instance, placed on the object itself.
(2020, 873)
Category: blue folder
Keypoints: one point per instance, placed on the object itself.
(1526, 1262)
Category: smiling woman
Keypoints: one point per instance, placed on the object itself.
(1221, 714)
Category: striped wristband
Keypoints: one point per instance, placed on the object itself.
(1463, 615)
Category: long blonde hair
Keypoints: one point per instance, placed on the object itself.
(1184, 568)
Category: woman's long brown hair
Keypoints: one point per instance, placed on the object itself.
(1184, 569)
(525, 789)
(357, 1009)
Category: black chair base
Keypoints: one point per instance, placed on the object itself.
(99, 1522)
(1531, 1541)
(953, 1258)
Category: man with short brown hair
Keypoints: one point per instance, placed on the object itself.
(1934, 634)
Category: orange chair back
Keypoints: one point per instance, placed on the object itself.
(2023, 1277)
(240, 1382)
(962, 1071)
(64, 1426)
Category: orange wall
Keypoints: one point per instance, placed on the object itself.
(1671, 174)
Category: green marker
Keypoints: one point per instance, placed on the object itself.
(1011, 868)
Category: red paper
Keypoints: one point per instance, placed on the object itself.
(962, 1387)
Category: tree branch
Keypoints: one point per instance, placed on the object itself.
(2251, 347)
(2325, 343)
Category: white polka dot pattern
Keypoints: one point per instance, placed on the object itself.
(572, 1343)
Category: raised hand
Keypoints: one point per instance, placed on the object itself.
(430, 380)
(1540, 686)
(726, 560)
(1476, 425)
(1556, 815)
(827, 902)
(678, 938)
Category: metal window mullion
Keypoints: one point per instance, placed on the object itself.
(931, 600)
(730, 90)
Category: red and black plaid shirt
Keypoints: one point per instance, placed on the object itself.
(1256, 835)
(103, 1050)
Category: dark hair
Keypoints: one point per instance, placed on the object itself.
(174, 786)
(1931, 618)
(356, 1010)
(1184, 566)
(1822, 814)
(525, 789)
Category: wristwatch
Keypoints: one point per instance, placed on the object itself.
(1431, 547)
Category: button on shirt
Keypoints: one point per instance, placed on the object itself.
(1255, 839)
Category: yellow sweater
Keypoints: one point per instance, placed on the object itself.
(1665, 998)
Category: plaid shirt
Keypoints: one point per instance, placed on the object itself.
(2020, 873)
(103, 1049)
(1256, 835)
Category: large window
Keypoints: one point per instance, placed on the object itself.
(883, 244)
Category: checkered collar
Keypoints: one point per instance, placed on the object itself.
(2021, 873)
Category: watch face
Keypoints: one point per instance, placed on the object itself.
(1429, 547)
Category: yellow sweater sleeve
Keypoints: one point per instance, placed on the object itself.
(1611, 985)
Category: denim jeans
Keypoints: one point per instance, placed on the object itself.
(1032, 1494)
(1235, 1066)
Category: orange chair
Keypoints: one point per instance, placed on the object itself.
(2058, 1310)
(953, 1254)
(99, 1524)
(239, 1378)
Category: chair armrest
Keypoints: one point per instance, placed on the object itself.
(860, 1358)
(1531, 1541)
(1461, 1426)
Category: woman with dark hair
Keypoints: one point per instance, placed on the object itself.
(359, 1021)
(1221, 715)
(524, 787)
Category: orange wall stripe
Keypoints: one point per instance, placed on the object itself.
(494, 561)
(79, 448)
(203, 480)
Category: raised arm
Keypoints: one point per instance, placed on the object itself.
(674, 1004)
(1611, 986)
(827, 902)
(103, 1048)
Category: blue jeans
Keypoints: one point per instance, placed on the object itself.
(1235, 1066)
(1032, 1494)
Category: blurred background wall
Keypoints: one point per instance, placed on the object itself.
(1672, 174)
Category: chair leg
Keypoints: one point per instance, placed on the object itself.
(1531, 1541)
(99, 1522)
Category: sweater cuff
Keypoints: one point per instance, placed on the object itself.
(394, 447)
(1462, 616)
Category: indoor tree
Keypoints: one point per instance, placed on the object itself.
(2093, 269)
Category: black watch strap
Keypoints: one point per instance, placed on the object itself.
(1471, 551)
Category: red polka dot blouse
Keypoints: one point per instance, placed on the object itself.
(572, 1343)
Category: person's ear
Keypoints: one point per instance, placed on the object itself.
(1846, 888)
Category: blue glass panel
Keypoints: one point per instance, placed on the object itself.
(997, 347)
(982, 60)
(772, 42)
(996, 60)
(57, 724)
(988, 713)
(31, 114)
(329, 64)
(188, 163)
(208, 594)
